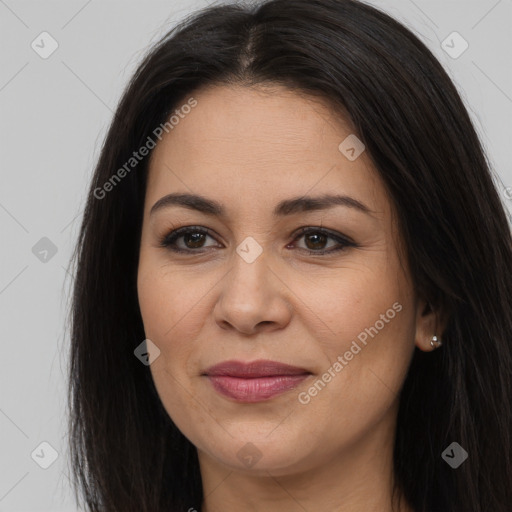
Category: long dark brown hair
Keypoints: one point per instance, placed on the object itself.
(126, 453)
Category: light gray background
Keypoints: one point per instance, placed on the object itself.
(54, 115)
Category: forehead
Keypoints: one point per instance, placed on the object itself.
(260, 144)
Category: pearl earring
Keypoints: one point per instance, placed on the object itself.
(435, 343)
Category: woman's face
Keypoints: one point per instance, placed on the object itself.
(255, 288)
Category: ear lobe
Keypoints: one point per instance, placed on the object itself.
(428, 325)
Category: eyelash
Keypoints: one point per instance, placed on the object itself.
(169, 239)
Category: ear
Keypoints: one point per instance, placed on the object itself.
(429, 322)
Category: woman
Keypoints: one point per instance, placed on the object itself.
(292, 293)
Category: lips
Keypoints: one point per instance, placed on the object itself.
(253, 369)
(255, 381)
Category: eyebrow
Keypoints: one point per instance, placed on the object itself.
(283, 208)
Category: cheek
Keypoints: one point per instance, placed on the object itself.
(367, 340)
(360, 385)
(170, 301)
(170, 321)
(166, 314)
(174, 304)
(347, 302)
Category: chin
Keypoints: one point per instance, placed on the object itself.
(258, 453)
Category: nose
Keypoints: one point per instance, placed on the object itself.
(253, 298)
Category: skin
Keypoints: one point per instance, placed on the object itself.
(249, 148)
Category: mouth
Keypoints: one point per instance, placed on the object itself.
(255, 381)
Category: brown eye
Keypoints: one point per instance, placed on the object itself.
(193, 238)
(316, 240)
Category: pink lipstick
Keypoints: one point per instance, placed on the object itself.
(255, 381)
